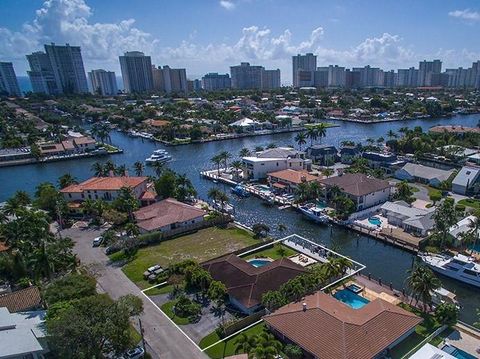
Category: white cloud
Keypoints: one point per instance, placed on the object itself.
(227, 4)
(466, 14)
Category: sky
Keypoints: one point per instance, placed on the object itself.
(211, 35)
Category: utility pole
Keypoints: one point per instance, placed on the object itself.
(141, 333)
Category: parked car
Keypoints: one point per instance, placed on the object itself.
(135, 353)
(152, 272)
(97, 241)
(112, 249)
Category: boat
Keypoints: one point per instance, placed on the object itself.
(160, 151)
(225, 207)
(315, 213)
(442, 295)
(240, 190)
(459, 267)
(162, 158)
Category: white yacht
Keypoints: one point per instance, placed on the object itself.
(313, 212)
(158, 157)
(459, 267)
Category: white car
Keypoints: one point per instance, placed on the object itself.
(97, 241)
(135, 353)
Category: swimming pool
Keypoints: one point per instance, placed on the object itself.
(259, 262)
(351, 299)
(457, 353)
(375, 221)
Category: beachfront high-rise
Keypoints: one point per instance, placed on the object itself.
(427, 71)
(215, 81)
(303, 67)
(8, 80)
(251, 77)
(103, 82)
(67, 66)
(41, 74)
(169, 80)
(136, 72)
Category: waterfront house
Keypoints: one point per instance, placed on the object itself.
(349, 153)
(325, 327)
(246, 124)
(168, 216)
(287, 181)
(325, 155)
(21, 300)
(84, 143)
(15, 154)
(467, 181)
(423, 174)
(411, 219)
(272, 160)
(363, 190)
(458, 130)
(460, 228)
(246, 283)
(22, 335)
(105, 188)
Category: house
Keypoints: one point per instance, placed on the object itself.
(84, 143)
(324, 327)
(413, 220)
(458, 130)
(463, 226)
(22, 335)
(467, 181)
(273, 160)
(106, 188)
(349, 153)
(21, 300)
(363, 190)
(51, 149)
(245, 283)
(287, 181)
(246, 124)
(157, 124)
(168, 215)
(423, 174)
(324, 155)
(432, 352)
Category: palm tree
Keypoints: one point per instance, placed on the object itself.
(139, 168)
(225, 156)
(98, 169)
(132, 229)
(66, 180)
(266, 347)
(312, 134)
(121, 170)
(158, 168)
(259, 148)
(474, 226)
(422, 282)
(244, 343)
(301, 139)
(271, 145)
(217, 160)
(244, 152)
(213, 193)
(237, 167)
(327, 172)
(109, 167)
(391, 134)
(403, 130)
(321, 130)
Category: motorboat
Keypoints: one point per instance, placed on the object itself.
(442, 295)
(240, 190)
(223, 207)
(315, 213)
(459, 267)
(160, 151)
(162, 158)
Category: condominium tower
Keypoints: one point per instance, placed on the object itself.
(303, 67)
(136, 72)
(8, 80)
(103, 82)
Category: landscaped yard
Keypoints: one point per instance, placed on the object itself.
(167, 308)
(470, 202)
(226, 348)
(275, 252)
(200, 246)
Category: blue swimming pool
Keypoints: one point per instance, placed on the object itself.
(375, 221)
(259, 262)
(351, 299)
(457, 353)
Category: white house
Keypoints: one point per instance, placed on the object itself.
(422, 174)
(466, 181)
(411, 219)
(457, 230)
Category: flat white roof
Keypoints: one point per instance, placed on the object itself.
(428, 351)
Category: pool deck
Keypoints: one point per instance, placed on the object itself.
(465, 341)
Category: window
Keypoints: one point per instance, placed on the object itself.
(69, 195)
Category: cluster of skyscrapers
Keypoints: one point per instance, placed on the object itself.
(429, 74)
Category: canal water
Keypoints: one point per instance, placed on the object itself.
(382, 261)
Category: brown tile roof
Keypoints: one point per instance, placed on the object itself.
(293, 176)
(356, 184)
(329, 328)
(105, 184)
(68, 145)
(47, 148)
(21, 300)
(164, 213)
(454, 129)
(156, 123)
(3, 247)
(247, 283)
(85, 140)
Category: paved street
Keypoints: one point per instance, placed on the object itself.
(163, 337)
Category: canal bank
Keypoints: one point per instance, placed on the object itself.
(382, 260)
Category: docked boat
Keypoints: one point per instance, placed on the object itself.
(442, 295)
(315, 213)
(223, 207)
(459, 267)
(240, 190)
(162, 158)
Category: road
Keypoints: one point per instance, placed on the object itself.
(164, 339)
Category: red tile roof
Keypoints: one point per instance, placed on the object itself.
(21, 300)
(84, 140)
(247, 283)
(293, 176)
(164, 213)
(329, 328)
(105, 184)
(356, 184)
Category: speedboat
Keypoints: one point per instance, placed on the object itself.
(240, 190)
(315, 213)
(442, 295)
(223, 207)
(459, 267)
(160, 151)
(162, 158)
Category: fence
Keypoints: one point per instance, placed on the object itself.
(365, 212)
(242, 323)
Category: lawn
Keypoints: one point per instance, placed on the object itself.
(327, 124)
(167, 308)
(433, 191)
(273, 252)
(470, 202)
(414, 189)
(200, 246)
(226, 348)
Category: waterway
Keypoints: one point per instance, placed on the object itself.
(389, 263)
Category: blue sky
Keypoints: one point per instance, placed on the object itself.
(211, 35)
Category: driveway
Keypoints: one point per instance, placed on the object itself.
(164, 339)
(422, 193)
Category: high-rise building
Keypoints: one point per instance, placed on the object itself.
(321, 77)
(336, 76)
(8, 80)
(103, 82)
(270, 79)
(246, 77)
(370, 76)
(215, 81)
(301, 65)
(41, 74)
(474, 76)
(169, 80)
(425, 71)
(389, 78)
(136, 72)
(67, 66)
(407, 77)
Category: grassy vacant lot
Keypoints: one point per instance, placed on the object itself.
(470, 202)
(200, 246)
(226, 348)
(274, 252)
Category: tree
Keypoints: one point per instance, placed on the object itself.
(327, 172)
(47, 197)
(66, 180)
(271, 145)
(404, 192)
(217, 292)
(126, 202)
(273, 300)
(98, 170)
(435, 196)
(260, 229)
(293, 351)
(165, 185)
(217, 160)
(132, 229)
(312, 134)
(445, 216)
(422, 283)
(237, 167)
(158, 168)
(447, 313)
(70, 287)
(139, 168)
(301, 139)
(244, 152)
(244, 343)
(266, 346)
